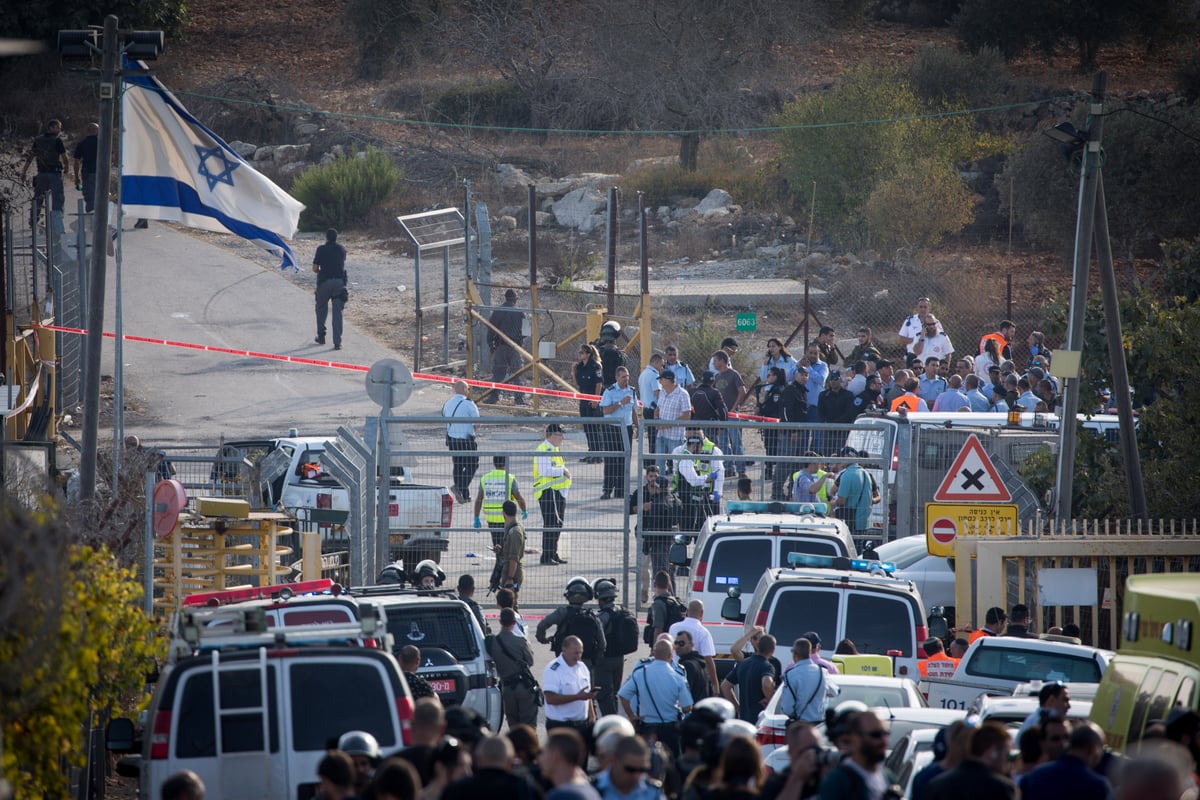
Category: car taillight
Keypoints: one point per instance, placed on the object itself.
(447, 510)
(760, 618)
(698, 574)
(404, 710)
(895, 457)
(775, 736)
(902, 669)
(922, 636)
(324, 501)
(160, 739)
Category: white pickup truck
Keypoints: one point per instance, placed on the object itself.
(294, 478)
(996, 665)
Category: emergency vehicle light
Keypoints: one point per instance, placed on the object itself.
(840, 562)
(775, 507)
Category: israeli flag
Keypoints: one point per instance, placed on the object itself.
(175, 169)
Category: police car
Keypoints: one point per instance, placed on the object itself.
(733, 550)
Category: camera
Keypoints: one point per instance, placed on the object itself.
(828, 757)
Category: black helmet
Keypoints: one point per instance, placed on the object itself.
(391, 574)
(429, 569)
(605, 589)
(610, 330)
(578, 591)
(359, 743)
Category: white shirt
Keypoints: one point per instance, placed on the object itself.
(687, 467)
(912, 328)
(937, 346)
(559, 678)
(702, 639)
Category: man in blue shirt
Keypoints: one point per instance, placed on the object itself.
(618, 402)
(953, 398)
(754, 680)
(856, 493)
(655, 695)
(626, 778)
(684, 376)
(930, 384)
(460, 437)
(803, 685)
(977, 399)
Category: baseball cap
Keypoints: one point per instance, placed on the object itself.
(668, 374)
(835, 375)
(813, 637)
(802, 368)
(553, 427)
(708, 375)
(849, 451)
(883, 363)
(993, 368)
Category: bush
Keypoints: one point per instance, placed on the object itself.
(345, 189)
(918, 206)
(498, 103)
(1007, 27)
(946, 76)
(1187, 78)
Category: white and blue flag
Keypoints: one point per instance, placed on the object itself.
(177, 170)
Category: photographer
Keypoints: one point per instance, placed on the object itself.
(808, 761)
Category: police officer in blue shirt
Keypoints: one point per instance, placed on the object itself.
(655, 695)
(619, 402)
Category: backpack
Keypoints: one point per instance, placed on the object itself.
(584, 623)
(621, 632)
(675, 611)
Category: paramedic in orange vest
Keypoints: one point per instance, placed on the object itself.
(937, 664)
(909, 400)
(993, 624)
(1003, 337)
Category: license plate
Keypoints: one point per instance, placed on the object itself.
(444, 686)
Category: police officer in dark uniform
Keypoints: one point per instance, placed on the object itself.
(505, 360)
(329, 262)
(565, 623)
(607, 672)
(611, 356)
(51, 156)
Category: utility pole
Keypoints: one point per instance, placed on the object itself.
(109, 90)
(82, 44)
(1089, 181)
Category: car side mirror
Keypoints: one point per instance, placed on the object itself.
(120, 736)
(731, 606)
(678, 554)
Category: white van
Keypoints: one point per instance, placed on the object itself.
(254, 718)
(734, 549)
(839, 598)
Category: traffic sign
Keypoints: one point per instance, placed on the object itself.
(945, 522)
(973, 478)
(943, 530)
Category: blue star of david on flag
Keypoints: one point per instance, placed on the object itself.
(225, 175)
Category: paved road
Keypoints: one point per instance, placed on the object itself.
(180, 288)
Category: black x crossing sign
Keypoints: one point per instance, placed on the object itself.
(972, 478)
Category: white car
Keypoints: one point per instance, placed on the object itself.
(910, 754)
(871, 690)
(932, 574)
(1012, 711)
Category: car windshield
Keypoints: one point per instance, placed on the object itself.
(903, 553)
(1033, 665)
(447, 626)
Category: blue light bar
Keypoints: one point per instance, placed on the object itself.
(839, 562)
(775, 507)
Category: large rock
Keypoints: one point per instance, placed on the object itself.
(715, 203)
(290, 153)
(575, 209)
(512, 178)
(243, 149)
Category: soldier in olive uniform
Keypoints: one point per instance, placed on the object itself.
(514, 663)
